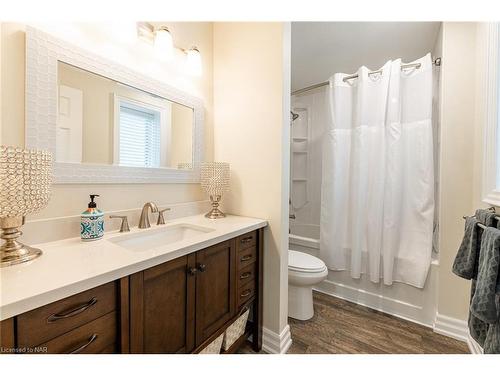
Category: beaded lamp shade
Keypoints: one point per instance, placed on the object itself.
(25, 178)
(215, 181)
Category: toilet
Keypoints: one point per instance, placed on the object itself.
(304, 272)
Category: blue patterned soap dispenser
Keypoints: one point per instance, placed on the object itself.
(92, 225)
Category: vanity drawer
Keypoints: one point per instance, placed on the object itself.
(246, 240)
(95, 337)
(42, 324)
(246, 292)
(246, 257)
(246, 274)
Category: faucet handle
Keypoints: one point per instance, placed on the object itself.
(161, 219)
(124, 227)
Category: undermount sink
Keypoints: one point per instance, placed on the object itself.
(159, 237)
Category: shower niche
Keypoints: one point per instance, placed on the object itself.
(299, 158)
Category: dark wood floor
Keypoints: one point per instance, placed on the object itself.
(341, 327)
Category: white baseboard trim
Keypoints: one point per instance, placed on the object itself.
(474, 347)
(395, 307)
(451, 327)
(456, 329)
(274, 343)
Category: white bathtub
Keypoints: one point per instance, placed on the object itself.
(405, 301)
(304, 237)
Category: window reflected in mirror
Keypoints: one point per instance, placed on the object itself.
(101, 121)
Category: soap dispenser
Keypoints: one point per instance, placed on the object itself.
(92, 224)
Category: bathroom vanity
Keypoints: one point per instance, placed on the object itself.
(111, 297)
(171, 288)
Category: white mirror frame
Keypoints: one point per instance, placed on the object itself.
(43, 52)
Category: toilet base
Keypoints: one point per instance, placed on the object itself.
(300, 302)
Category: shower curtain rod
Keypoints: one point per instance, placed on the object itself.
(436, 62)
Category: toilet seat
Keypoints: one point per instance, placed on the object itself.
(302, 262)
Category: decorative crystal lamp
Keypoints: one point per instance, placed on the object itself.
(215, 181)
(25, 177)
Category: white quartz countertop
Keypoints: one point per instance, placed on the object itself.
(71, 266)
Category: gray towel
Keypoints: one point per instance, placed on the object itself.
(466, 265)
(466, 261)
(492, 340)
(477, 328)
(484, 304)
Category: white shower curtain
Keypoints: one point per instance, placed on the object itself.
(377, 199)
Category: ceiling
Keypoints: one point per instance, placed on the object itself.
(320, 49)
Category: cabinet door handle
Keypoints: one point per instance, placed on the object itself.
(246, 257)
(81, 347)
(72, 312)
(246, 239)
(246, 293)
(245, 275)
(192, 271)
(202, 267)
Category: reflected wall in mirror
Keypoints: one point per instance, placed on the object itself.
(101, 121)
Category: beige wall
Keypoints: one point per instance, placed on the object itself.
(13, 84)
(457, 159)
(72, 199)
(248, 133)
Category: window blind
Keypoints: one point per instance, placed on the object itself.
(139, 136)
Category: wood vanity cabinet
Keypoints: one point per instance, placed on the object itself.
(179, 306)
(88, 322)
(162, 308)
(182, 305)
(215, 288)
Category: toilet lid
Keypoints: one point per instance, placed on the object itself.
(303, 262)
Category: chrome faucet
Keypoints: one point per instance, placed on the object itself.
(144, 219)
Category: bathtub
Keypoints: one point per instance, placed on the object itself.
(304, 237)
(401, 300)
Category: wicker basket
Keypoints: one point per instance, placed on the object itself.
(214, 346)
(235, 330)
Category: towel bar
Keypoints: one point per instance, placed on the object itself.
(481, 225)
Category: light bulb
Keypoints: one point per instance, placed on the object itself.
(164, 44)
(193, 61)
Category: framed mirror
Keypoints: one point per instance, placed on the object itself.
(105, 123)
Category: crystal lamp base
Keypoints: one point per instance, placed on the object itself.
(215, 212)
(12, 251)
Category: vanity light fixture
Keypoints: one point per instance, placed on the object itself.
(164, 44)
(160, 38)
(146, 32)
(193, 61)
